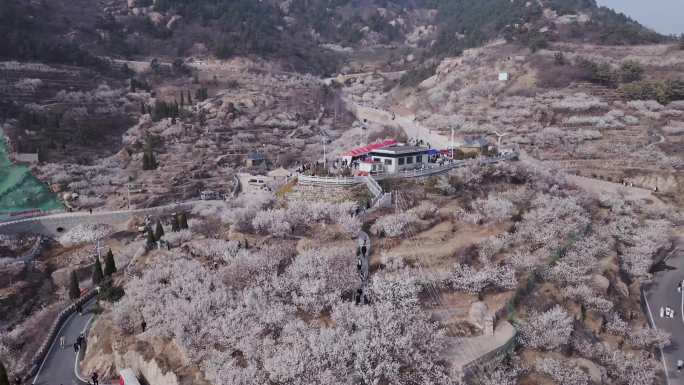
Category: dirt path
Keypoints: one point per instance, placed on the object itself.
(407, 123)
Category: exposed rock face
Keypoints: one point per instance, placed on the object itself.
(157, 360)
(592, 369)
(622, 288)
(478, 314)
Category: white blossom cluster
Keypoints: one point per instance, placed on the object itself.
(629, 368)
(550, 220)
(580, 261)
(546, 331)
(586, 296)
(394, 225)
(300, 214)
(468, 279)
(84, 234)
(644, 338)
(579, 102)
(494, 208)
(562, 372)
(28, 85)
(251, 325)
(643, 242)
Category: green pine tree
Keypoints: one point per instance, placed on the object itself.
(175, 225)
(158, 231)
(3, 375)
(150, 239)
(153, 161)
(183, 221)
(97, 272)
(74, 289)
(110, 265)
(145, 162)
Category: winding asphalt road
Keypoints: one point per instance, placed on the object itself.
(59, 366)
(663, 292)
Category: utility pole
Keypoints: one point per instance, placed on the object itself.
(452, 141)
(98, 248)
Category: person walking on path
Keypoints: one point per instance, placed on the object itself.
(61, 342)
(143, 325)
(95, 378)
(79, 309)
(76, 347)
(80, 340)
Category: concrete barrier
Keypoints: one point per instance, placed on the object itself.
(54, 225)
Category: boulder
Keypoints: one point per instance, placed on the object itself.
(156, 18)
(621, 288)
(600, 283)
(478, 314)
(592, 369)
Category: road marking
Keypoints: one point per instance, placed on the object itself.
(662, 355)
(52, 345)
(76, 371)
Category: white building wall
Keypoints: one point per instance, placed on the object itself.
(395, 167)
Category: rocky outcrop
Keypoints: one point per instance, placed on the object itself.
(157, 360)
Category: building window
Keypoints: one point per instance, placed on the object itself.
(419, 159)
(401, 161)
(409, 160)
(388, 162)
(376, 159)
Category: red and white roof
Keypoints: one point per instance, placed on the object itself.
(371, 147)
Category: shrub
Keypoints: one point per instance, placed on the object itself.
(631, 71)
(110, 293)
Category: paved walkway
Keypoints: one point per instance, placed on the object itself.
(466, 352)
(412, 128)
(59, 366)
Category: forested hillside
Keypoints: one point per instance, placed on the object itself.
(294, 31)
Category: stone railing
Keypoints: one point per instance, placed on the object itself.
(44, 349)
(331, 181)
(373, 187)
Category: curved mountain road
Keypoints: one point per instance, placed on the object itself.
(60, 364)
(663, 292)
